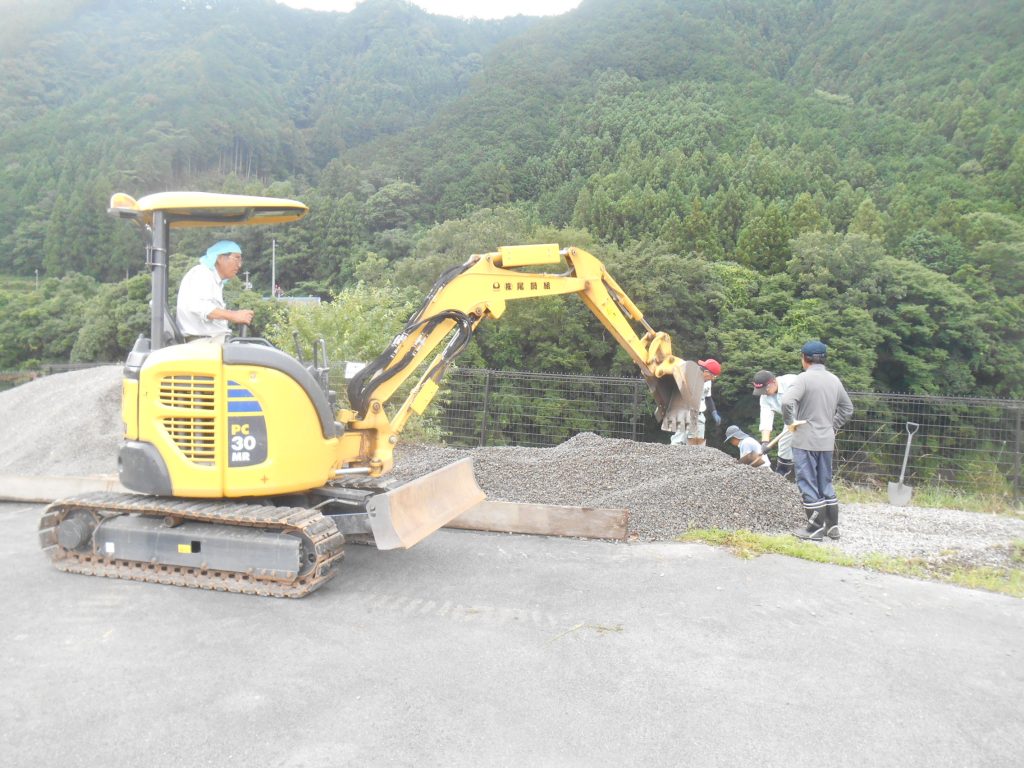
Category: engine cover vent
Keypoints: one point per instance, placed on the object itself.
(195, 435)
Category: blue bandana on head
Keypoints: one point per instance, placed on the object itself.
(209, 260)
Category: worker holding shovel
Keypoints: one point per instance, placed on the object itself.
(750, 449)
(818, 398)
(770, 389)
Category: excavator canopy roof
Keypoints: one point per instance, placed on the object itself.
(207, 209)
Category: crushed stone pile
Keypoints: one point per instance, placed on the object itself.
(63, 424)
(668, 489)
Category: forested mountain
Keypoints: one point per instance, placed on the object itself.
(753, 171)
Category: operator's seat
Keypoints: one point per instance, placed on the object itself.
(172, 333)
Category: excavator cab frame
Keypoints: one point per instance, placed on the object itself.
(159, 213)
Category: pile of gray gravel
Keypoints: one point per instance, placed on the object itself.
(668, 489)
(64, 424)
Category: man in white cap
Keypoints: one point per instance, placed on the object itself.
(770, 388)
(201, 310)
(750, 449)
(818, 398)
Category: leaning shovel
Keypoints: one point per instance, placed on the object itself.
(899, 494)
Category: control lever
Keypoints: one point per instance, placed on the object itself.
(324, 372)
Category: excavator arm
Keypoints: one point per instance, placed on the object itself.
(481, 288)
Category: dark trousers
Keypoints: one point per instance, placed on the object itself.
(814, 479)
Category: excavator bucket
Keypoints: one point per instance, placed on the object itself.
(678, 396)
(405, 515)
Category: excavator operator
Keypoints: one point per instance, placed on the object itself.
(201, 310)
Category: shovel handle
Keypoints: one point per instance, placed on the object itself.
(906, 453)
(792, 427)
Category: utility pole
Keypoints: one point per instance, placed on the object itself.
(248, 285)
(273, 268)
(37, 279)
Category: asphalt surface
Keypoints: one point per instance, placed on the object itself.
(491, 650)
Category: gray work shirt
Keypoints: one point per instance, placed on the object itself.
(819, 398)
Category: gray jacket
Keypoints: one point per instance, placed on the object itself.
(818, 397)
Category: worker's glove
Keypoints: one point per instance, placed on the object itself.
(716, 417)
(764, 446)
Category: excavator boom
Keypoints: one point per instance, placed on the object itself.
(481, 288)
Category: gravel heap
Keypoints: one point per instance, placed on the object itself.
(668, 489)
(64, 424)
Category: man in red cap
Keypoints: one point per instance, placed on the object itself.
(694, 435)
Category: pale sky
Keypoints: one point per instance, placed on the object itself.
(479, 9)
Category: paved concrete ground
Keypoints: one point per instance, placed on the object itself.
(478, 650)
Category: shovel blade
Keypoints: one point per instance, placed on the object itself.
(899, 494)
(408, 514)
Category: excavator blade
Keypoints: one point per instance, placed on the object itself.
(678, 396)
(405, 515)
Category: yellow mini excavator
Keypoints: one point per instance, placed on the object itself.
(247, 477)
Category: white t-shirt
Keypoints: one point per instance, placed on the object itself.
(750, 445)
(201, 292)
(705, 393)
(772, 404)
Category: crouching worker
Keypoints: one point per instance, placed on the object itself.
(750, 448)
(201, 309)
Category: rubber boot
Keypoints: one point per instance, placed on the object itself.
(815, 530)
(832, 521)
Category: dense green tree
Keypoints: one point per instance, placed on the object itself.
(764, 241)
(868, 221)
(805, 216)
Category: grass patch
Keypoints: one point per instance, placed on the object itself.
(936, 496)
(746, 544)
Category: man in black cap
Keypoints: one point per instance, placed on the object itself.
(770, 389)
(819, 398)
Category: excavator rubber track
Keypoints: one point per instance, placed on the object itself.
(320, 536)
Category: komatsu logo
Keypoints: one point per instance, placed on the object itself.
(531, 285)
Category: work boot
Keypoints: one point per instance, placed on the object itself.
(784, 467)
(811, 534)
(815, 530)
(832, 521)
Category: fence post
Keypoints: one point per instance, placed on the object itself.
(483, 408)
(1016, 457)
(635, 416)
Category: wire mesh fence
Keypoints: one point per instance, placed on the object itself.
(967, 443)
(486, 407)
(970, 443)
